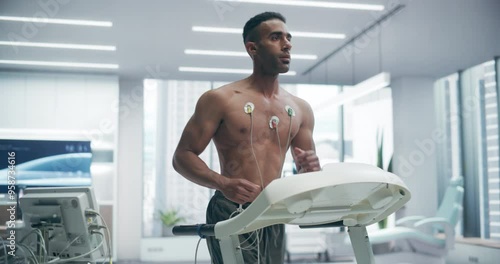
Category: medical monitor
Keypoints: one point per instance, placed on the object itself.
(66, 216)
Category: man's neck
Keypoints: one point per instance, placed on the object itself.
(268, 85)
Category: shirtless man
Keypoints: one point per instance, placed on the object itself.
(252, 122)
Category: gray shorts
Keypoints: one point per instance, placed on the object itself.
(271, 246)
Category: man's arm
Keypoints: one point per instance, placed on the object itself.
(195, 138)
(303, 147)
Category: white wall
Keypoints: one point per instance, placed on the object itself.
(415, 137)
(130, 142)
(57, 101)
(65, 107)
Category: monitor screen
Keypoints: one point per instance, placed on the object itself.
(46, 163)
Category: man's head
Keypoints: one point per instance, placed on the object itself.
(267, 41)
(250, 33)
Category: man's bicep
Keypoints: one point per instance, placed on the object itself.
(197, 135)
(202, 126)
(304, 138)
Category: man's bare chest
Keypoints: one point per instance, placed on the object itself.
(263, 122)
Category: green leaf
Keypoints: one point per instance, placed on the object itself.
(380, 163)
(389, 167)
(382, 223)
(170, 217)
(380, 149)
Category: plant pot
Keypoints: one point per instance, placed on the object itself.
(167, 231)
(381, 248)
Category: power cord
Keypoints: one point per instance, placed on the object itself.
(59, 260)
(105, 226)
(23, 247)
(196, 251)
(69, 245)
(4, 248)
(41, 243)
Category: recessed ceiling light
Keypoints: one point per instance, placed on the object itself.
(294, 33)
(60, 64)
(353, 6)
(241, 54)
(58, 21)
(317, 35)
(57, 45)
(218, 30)
(225, 70)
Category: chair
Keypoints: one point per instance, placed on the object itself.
(420, 239)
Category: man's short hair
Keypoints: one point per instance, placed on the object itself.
(249, 33)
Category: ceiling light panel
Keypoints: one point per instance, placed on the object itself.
(43, 20)
(241, 54)
(60, 64)
(321, 4)
(294, 33)
(57, 45)
(317, 35)
(225, 70)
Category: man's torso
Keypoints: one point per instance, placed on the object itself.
(232, 137)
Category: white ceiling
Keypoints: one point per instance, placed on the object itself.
(427, 38)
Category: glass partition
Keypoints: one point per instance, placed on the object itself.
(368, 127)
(168, 105)
(468, 114)
(326, 130)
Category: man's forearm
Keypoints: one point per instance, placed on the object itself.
(191, 167)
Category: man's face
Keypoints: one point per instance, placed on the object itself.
(273, 47)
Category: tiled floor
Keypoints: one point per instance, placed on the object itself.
(297, 260)
(294, 262)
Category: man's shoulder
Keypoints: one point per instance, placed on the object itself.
(228, 87)
(219, 96)
(299, 101)
(226, 91)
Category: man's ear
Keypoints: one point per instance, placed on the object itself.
(251, 48)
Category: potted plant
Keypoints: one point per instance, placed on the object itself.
(169, 218)
(382, 224)
(380, 163)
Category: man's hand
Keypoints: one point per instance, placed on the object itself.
(240, 191)
(306, 160)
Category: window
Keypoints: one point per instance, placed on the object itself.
(327, 125)
(168, 105)
(468, 113)
(449, 151)
(490, 182)
(368, 127)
